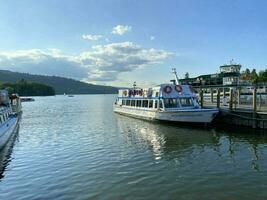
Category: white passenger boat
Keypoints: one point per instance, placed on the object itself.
(166, 102)
(10, 108)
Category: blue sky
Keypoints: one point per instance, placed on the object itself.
(116, 42)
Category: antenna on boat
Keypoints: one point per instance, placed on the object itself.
(176, 77)
(134, 84)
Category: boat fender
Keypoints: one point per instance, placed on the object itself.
(168, 89)
(178, 88)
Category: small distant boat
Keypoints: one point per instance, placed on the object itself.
(10, 109)
(26, 99)
(165, 102)
(70, 95)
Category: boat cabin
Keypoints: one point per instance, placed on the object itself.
(163, 97)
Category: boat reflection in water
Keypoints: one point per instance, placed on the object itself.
(164, 139)
(187, 145)
(6, 151)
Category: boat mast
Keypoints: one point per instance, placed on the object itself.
(176, 77)
(134, 85)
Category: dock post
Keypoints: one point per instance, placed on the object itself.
(201, 98)
(238, 96)
(231, 99)
(218, 98)
(211, 95)
(254, 99)
(254, 121)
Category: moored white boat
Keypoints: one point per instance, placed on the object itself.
(166, 102)
(10, 108)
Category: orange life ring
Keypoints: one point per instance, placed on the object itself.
(178, 88)
(168, 89)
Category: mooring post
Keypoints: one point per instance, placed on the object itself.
(238, 96)
(211, 95)
(218, 98)
(201, 98)
(231, 99)
(254, 124)
(254, 99)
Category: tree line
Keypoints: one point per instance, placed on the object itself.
(253, 76)
(27, 88)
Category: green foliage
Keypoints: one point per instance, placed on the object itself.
(245, 75)
(186, 76)
(26, 88)
(263, 76)
(254, 77)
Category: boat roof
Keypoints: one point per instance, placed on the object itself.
(167, 90)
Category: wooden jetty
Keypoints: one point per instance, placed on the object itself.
(238, 105)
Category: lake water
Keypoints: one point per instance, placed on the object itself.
(77, 148)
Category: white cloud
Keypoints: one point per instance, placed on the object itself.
(91, 37)
(120, 30)
(152, 37)
(101, 63)
(112, 59)
(46, 62)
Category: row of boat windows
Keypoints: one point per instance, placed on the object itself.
(142, 103)
(4, 117)
(168, 103)
(181, 102)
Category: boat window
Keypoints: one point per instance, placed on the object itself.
(123, 102)
(170, 103)
(128, 102)
(132, 102)
(185, 102)
(160, 104)
(157, 94)
(150, 103)
(156, 104)
(138, 103)
(145, 103)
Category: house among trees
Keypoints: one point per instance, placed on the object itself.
(229, 75)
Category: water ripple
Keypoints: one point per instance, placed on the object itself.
(77, 148)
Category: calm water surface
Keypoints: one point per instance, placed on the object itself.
(77, 148)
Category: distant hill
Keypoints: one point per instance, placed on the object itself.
(60, 84)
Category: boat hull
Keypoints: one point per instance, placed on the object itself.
(191, 116)
(6, 130)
